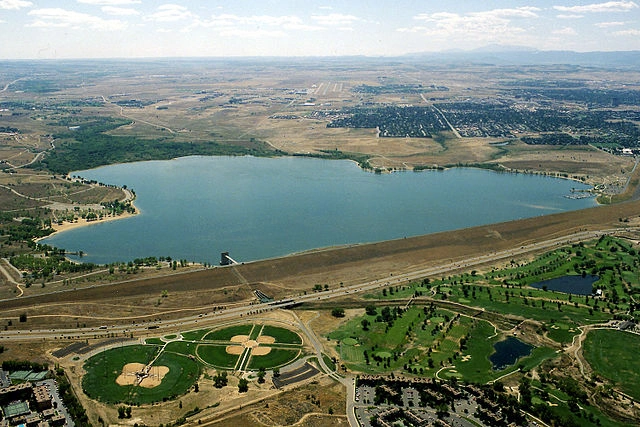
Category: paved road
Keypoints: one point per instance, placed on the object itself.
(247, 309)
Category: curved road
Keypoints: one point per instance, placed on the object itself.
(248, 309)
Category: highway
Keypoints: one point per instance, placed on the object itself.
(248, 309)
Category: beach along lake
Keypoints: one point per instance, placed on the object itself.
(194, 208)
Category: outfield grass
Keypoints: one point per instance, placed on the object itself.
(183, 373)
(99, 382)
(195, 335)
(226, 334)
(276, 357)
(614, 355)
(182, 347)
(216, 355)
(282, 335)
(104, 368)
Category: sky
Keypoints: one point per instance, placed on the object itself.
(46, 29)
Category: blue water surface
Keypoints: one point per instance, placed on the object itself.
(255, 208)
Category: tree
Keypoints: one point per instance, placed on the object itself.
(371, 310)
(365, 324)
(220, 380)
(276, 372)
(261, 374)
(243, 385)
(23, 317)
(121, 411)
(337, 312)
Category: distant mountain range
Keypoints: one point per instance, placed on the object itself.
(516, 55)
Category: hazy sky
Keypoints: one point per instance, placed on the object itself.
(156, 28)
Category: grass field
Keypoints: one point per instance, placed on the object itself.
(216, 355)
(614, 355)
(195, 335)
(282, 336)
(229, 332)
(182, 347)
(276, 357)
(102, 370)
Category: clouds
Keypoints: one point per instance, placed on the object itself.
(170, 13)
(61, 18)
(119, 11)
(315, 27)
(110, 2)
(14, 4)
(483, 25)
(608, 7)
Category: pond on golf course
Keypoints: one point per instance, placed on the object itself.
(577, 285)
(508, 352)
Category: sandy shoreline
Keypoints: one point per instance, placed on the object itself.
(81, 222)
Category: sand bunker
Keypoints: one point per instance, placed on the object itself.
(466, 358)
(266, 339)
(240, 338)
(130, 375)
(234, 349)
(260, 351)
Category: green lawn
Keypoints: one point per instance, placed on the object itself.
(226, 334)
(195, 335)
(216, 355)
(182, 347)
(276, 357)
(282, 335)
(104, 368)
(614, 355)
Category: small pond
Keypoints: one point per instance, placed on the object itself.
(508, 352)
(576, 285)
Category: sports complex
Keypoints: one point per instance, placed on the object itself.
(164, 368)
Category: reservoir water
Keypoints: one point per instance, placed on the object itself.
(255, 208)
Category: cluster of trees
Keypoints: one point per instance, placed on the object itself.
(117, 207)
(220, 379)
(362, 160)
(124, 411)
(45, 267)
(133, 103)
(73, 405)
(31, 226)
(89, 146)
(23, 365)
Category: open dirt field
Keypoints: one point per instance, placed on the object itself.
(260, 351)
(240, 338)
(265, 339)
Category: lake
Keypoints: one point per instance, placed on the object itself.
(508, 352)
(577, 285)
(256, 208)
